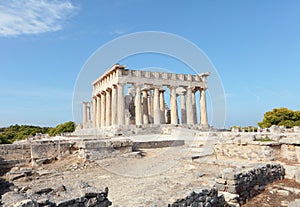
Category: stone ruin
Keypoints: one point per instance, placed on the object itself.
(111, 129)
(112, 112)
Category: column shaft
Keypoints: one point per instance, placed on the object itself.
(162, 106)
(150, 107)
(194, 107)
(94, 112)
(103, 107)
(203, 110)
(173, 103)
(156, 109)
(98, 115)
(121, 104)
(90, 124)
(189, 106)
(138, 108)
(114, 118)
(108, 108)
(145, 107)
(183, 108)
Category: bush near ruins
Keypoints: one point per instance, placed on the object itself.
(281, 117)
(16, 132)
(62, 128)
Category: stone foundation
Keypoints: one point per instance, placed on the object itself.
(248, 183)
(203, 197)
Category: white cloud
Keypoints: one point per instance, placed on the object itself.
(33, 16)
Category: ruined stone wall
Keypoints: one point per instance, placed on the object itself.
(249, 183)
(290, 152)
(49, 149)
(257, 152)
(15, 151)
(156, 144)
(233, 187)
(204, 197)
(35, 150)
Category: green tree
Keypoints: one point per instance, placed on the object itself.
(62, 128)
(280, 117)
(15, 132)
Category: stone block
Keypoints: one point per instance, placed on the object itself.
(297, 176)
(26, 203)
(295, 203)
(283, 192)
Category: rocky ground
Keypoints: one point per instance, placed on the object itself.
(151, 177)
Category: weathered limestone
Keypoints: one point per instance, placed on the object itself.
(121, 104)
(173, 103)
(98, 111)
(146, 103)
(138, 108)
(114, 118)
(145, 107)
(108, 107)
(95, 112)
(103, 106)
(156, 109)
(150, 106)
(86, 114)
(189, 106)
(203, 110)
(194, 107)
(162, 106)
(182, 108)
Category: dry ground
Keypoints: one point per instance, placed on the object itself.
(158, 178)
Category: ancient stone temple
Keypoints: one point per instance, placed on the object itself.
(144, 103)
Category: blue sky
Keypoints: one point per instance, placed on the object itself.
(254, 46)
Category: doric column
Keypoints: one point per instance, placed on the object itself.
(114, 118)
(182, 108)
(98, 115)
(145, 107)
(94, 112)
(156, 109)
(137, 103)
(150, 107)
(108, 107)
(121, 104)
(203, 110)
(103, 106)
(194, 107)
(162, 106)
(84, 115)
(90, 112)
(173, 104)
(189, 106)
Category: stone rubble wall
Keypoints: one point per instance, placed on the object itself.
(156, 144)
(48, 197)
(15, 151)
(248, 146)
(204, 198)
(50, 149)
(103, 148)
(248, 183)
(249, 151)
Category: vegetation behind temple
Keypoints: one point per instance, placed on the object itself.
(16, 132)
(280, 117)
